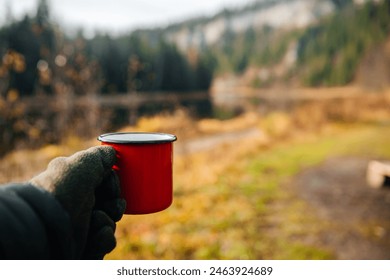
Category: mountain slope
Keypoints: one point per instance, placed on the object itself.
(275, 14)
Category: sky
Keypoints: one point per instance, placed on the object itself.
(119, 16)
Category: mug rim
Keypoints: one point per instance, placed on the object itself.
(137, 138)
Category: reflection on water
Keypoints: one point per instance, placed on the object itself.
(34, 121)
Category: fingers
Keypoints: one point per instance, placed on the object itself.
(57, 163)
(108, 197)
(110, 187)
(107, 155)
(100, 219)
(85, 169)
(115, 208)
(99, 159)
(101, 239)
(73, 181)
(100, 244)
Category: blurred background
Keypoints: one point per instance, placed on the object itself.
(279, 107)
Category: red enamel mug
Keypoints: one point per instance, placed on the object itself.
(144, 167)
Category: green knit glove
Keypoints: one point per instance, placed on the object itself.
(88, 190)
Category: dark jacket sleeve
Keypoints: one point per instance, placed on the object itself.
(33, 225)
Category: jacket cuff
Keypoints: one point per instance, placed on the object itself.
(41, 206)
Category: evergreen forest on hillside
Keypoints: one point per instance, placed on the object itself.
(39, 57)
(331, 52)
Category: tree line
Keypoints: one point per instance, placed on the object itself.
(38, 57)
(329, 53)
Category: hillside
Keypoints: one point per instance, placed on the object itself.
(273, 14)
(312, 42)
(304, 42)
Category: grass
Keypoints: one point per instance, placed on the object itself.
(246, 211)
(271, 171)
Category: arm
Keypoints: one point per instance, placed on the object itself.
(33, 225)
(66, 212)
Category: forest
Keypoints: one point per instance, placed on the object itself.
(38, 55)
(327, 54)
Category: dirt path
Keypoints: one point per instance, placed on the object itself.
(354, 219)
(212, 141)
(358, 217)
